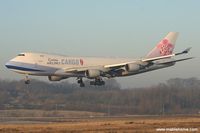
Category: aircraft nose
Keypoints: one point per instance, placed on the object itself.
(8, 64)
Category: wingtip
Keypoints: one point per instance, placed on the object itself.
(187, 50)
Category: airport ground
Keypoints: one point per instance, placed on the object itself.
(96, 122)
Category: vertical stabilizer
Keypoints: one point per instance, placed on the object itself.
(165, 46)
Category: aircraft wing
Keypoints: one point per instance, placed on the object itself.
(141, 61)
(157, 58)
(146, 61)
(107, 69)
(111, 67)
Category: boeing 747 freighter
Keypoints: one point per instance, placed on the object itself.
(57, 67)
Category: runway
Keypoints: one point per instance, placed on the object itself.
(116, 124)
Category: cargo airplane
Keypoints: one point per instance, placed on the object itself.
(58, 67)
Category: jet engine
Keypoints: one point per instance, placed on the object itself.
(132, 67)
(56, 78)
(92, 73)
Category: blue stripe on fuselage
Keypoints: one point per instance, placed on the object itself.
(23, 68)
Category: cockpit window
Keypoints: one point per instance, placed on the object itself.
(21, 54)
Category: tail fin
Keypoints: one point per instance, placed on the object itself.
(165, 46)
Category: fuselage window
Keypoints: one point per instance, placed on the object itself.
(21, 54)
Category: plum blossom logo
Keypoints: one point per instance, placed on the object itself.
(165, 47)
(81, 62)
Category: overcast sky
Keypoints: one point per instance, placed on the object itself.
(110, 28)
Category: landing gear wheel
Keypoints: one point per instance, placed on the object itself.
(97, 81)
(80, 82)
(82, 85)
(103, 82)
(27, 80)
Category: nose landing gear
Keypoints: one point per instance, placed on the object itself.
(27, 80)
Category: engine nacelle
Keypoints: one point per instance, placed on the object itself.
(92, 73)
(56, 78)
(132, 67)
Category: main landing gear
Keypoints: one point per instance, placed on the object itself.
(98, 81)
(80, 82)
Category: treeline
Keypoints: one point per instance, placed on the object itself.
(176, 96)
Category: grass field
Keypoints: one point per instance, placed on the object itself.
(102, 124)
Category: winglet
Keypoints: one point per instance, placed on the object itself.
(187, 50)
